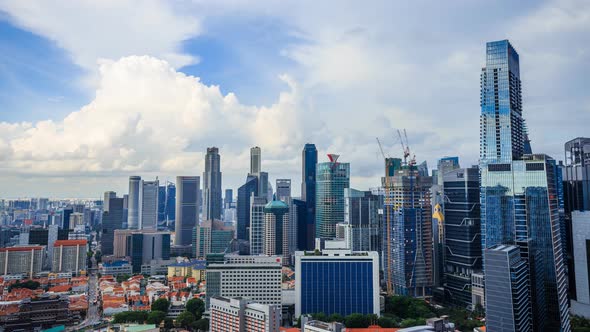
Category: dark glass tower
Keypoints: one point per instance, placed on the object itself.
(161, 204)
(520, 194)
(170, 201)
(308, 192)
(332, 178)
(111, 220)
(243, 206)
(212, 201)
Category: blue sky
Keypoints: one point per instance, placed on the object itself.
(85, 96)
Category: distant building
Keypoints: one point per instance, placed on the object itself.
(241, 315)
(229, 198)
(111, 219)
(211, 236)
(276, 230)
(337, 282)
(70, 256)
(187, 208)
(212, 201)
(508, 307)
(133, 203)
(319, 326)
(148, 204)
(170, 201)
(257, 205)
(306, 236)
(331, 179)
(253, 277)
(26, 260)
(283, 189)
(142, 246)
(361, 213)
(581, 241)
(115, 268)
(245, 192)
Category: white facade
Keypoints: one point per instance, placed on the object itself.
(257, 225)
(133, 203)
(581, 240)
(148, 205)
(241, 315)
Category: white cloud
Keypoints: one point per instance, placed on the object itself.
(108, 29)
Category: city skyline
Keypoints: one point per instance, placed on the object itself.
(68, 119)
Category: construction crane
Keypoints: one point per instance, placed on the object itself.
(406, 148)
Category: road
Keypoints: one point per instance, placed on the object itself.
(93, 314)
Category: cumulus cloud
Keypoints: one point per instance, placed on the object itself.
(147, 117)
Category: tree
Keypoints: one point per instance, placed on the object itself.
(30, 284)
(130, 317)
(185, 319)
(386, 322)
(356, 320)
(156, 317)
(122, 277)
(335, 318)
(161, 305)
(409, 322)
(196, 307)
(201, 325)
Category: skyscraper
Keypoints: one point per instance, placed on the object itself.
(187, 208)
(148, 204)
(247, 190)
(361, 213)
(283, 189)
(519, 194)
(255, 160)
(462, 233)
(507, 290)
(407, 242)
(331, 179)
(133, 203)
(161, 203)
(170, 201)
(107, 195)
(308, 194)
(581, 256)
(212, 185)
(111, 219)
(276, 227)
(211, 236)
(257, 205)
(229, 198)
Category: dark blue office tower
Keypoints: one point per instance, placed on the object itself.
(308, 193)
(161, 203)
(244, 194)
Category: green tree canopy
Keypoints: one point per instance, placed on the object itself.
(357, 320)
(156, 317)
(196, 307)
(201, 325)
(185, 319)
(130, 317)
(161, 305)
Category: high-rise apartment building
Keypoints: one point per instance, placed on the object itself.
(407, 232)
(308, 195)
(257, 205)
(187, 208)
(331, 179)
(242, 315)
(257, 278)
(211, 236)
(507, 290)
(212, 202)
(27, 260)
(148, 204)
(133, 203)
(520, 193)
(283, 189)
(361, 214)
(112, 219)
(276, 228)
(69, 256)
(337, 282)
(462, 233)
(245, 192)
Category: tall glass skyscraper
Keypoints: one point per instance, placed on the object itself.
(308, 188)
(212, 202)
(331, 179)
(187, 208)
(519, 193)
(243, 206)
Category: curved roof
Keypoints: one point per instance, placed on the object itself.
(276, 205)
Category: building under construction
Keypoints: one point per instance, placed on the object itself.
(407, 242)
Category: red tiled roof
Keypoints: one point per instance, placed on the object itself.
(27, 248)
(66, 243)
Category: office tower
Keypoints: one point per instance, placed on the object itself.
(331, 179)
(299, 213)
(161, 204)
(187, 208)
(229, 198)
(308, 194)
(143, 246)
(111, 219)
(337, 282)
(212, 185)
(259, 278)
(43, 204)
(283, 189)
(264, 190)
(581, 254)
(255, 160)
(520, 194)
(361, 214)
(69, 256)
(65, 221)
(407, 242)
(76, 219)
(247, 190)
(107, 195)
(170, 201)
(22, 260)
(211, 237)
(462, 238)
(148, 204)
(241, 315)
(257, 205)
(445, 165)
(576, 187)
(133, 203)
(276, 227)
(507, 290)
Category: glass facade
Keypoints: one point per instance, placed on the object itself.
(336, 286)
(171, 201)
(331, 180)
(361, 212)
(161, 203)
(308, 194)
(243, 206)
